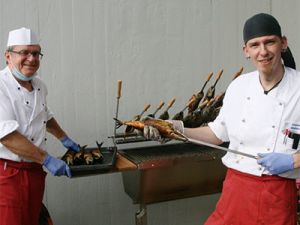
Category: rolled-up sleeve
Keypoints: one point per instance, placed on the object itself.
(8, 122)
(7, 127)
(218, 126)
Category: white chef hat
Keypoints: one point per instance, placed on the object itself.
(22, 36)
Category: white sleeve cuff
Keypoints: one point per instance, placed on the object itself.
(7, 127)
(219, 130)
(50, 114)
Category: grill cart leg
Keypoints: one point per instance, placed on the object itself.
(141, 215)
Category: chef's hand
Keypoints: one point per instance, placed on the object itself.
(70, 144)
(152, 133)
(177, 125)
(57, 167)
(276, 163)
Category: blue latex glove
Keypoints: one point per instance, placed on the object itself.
(70, 144)
(57, 167)
(276, 163)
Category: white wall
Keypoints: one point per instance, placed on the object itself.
(159, 49)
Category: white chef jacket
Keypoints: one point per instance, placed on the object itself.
(254, 122)
(23, 111)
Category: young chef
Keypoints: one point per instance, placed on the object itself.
(24, 120)
(267, 124)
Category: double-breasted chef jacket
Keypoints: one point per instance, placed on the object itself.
(255, 122)
(23, 111)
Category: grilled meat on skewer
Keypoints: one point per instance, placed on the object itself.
(180, 115)
(198, 97)
(165, 128)
(209, 113)
(165, 114)
(195, 119)
(138, 117)
(161, 104)
(211, 91)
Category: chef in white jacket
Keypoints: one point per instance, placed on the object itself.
(24, 120)
(260, 116)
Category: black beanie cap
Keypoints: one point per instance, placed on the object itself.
(259, 25)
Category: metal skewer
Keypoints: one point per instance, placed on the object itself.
(197, 142)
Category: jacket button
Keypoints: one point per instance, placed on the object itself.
(27, 102)
(32, 139)
(243, 120)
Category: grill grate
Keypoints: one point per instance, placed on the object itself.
(170, 151)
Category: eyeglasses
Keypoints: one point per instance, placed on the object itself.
(25, 53)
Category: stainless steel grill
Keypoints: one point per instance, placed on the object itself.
(173, 171)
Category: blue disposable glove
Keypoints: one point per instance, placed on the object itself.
(276, 163)
(57, 167)
(70, 144)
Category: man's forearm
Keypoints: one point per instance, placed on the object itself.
(54, 129)
(203, 134)
(19, 145)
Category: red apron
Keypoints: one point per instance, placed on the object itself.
(22, 187)
(251, 200)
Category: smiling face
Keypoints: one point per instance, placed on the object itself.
(24, 58)
(265, 53)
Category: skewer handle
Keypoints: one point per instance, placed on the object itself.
(220, 74)
(238, 73)
(209, 76)
(161, 104)
(119, 89)
(146, 108)
(171, 102)
(191, 101)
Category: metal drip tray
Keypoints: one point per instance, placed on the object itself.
(173, 171)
